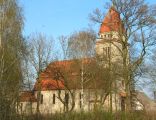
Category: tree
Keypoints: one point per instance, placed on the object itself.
(11, 45)
(64, 46)
(138, 19)
(40, 54)
(40, 51)
(149, 73)
(80, 46)
(77, 47)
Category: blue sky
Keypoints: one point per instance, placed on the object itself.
(58, 17)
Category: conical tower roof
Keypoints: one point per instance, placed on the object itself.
(112, 22)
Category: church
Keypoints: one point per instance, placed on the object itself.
(83, 84)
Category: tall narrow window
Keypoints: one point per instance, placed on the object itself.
(122, 103)
(80, 100)
(53, 98)
(21, 107)
(66, 98)
(108, 52)
(104, 50)
(123, 83)
(41, 99)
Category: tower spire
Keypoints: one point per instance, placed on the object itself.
(111, 22)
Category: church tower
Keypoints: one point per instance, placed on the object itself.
(108, 44)
(109, 52)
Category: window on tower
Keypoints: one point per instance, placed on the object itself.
(101, 36)
(110, 36)
(106, 52)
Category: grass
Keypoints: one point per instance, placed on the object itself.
(94, 115)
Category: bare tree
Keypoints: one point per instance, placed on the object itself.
(40, 51)
(40, 54)
(148, 73)
(138, 19)
(64, 45)
(62, 72)
(81, 45)
(77, 46)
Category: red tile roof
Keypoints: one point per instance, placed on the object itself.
(67, 73)
(112, 22)
(27, 96)
(57, 72)
(49, 84)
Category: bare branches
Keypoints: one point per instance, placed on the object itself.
(64, 45)
(40, 51)
(96, 16)
(81, 44)
(139, 21)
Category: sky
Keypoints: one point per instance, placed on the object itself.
(57, 17)
(54, 18)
